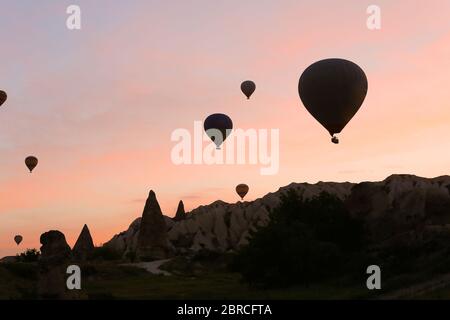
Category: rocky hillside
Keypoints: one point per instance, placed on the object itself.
(403, 209)
(400, 208)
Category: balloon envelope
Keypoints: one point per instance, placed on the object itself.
(242, 190)
(218, 127)
(3, 97)
(18, 239)
(332, 91)
(31, 163)
(248, 87)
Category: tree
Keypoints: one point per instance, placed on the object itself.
(305, 241)
(30, 255)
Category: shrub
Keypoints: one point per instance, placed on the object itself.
(305, 241)
(30, 255)
(106, 254)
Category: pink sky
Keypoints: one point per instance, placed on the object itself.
(98, 106)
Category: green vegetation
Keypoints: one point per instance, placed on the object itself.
(112, 281)
(105, 254)
(30, 255)
(18, 280)
(316, 243)
(311, 249)
(212, 285)
(305, 242)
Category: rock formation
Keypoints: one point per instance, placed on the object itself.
(180, 215)
(220, 226)
(403, 208)
(55, 255)
(84, 247)
(152, 243)
(400, 208)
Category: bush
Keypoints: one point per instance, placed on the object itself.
(305, 241)
(106, 254)
(30, 255)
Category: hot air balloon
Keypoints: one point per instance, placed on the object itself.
(18, 239)
(218, 127)
(242, 190)
(248, 87)
(3, 97)
(31, 163)
(332, 91)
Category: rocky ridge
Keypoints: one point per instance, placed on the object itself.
(399, 207)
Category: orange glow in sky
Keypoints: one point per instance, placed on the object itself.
(97, 106)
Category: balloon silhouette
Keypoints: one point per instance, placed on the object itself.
(248, 87)
(18, 239)
(242, 190)
(218, 127)
(3, 97)
(332, 91)
(31, 163)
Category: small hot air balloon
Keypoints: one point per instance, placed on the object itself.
(242, 190)
(332, 91)
(31, 163)
(18, 239)
(248, 87)
(3, 97)
(218, 127)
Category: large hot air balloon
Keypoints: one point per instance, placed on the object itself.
(218, 127)
(18, 239)
(333, 90)
(31, 163)
(3, 97)
(242, 190)
(248, 87)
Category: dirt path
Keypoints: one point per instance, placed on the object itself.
(152, 267)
